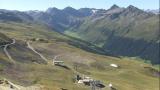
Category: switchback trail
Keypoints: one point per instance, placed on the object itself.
(5, 50)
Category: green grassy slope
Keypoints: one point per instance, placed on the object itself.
(4, 39)
(27, 30)
(27, 70)
(131, 75)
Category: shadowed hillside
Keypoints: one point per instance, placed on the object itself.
(122, 31)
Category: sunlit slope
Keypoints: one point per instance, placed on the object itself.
(27, 30)
(30, 69)
(131, 74)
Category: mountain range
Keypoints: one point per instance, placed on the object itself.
(119, 31)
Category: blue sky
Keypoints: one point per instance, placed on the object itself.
(44, 4)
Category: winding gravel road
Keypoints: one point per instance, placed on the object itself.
(5, 49)
(30, 47)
